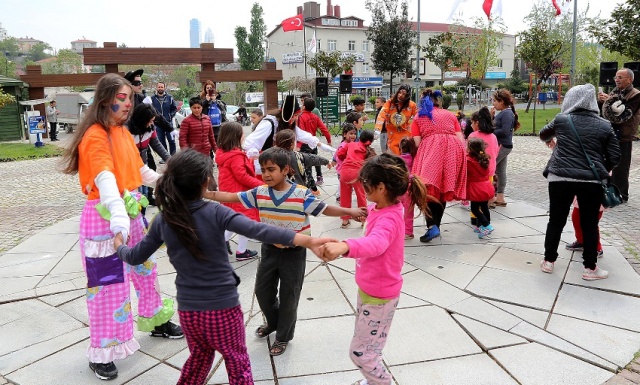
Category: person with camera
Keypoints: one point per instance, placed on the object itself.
(213, 106)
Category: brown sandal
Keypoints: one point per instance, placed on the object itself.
(263, 331)
(345, 225)
(278, 348)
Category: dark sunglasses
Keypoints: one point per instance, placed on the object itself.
(136, 83)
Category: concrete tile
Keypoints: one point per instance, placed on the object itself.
(613, 344)
(484, 312)
(487, 336)
(477, 369)
(537, 289)
(534, 248)
(458, 234)
(538, 223)
(431, 289)
(71, 367)
(476, 255)
(70, 263)
(347, 377)
(180, 358)
(440, 337)
(545, 338)
(534, 364)
(315, 339)
(160, 373)
(533, 316)
(160, 348)
(14, 336)
(77, 308)
(68, 226)
(52, 284)
(599, 306)
(622, 277)
(520, 209)
(62, 298)
(322, 299)
(457, 274)
(47, 243)
(28, 264)
(13, 361)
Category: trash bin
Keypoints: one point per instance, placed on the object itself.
(542, 97)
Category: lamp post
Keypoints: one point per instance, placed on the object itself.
(417, 78)
(573, 41)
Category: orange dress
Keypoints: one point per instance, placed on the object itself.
(397, 123)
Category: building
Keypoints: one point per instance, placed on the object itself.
(347, 34)
(3, 33)
(208, 36)
(26, 43)
(194, 33)
(78, 45)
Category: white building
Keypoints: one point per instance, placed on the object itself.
(208, 36)
(78, 45)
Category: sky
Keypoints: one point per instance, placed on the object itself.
(163, 23)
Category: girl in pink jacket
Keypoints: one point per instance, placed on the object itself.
(379, 258)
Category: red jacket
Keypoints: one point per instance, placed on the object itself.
(310, 122)
(236, 174)
(353, 155)
(197, 134)
(479, 187)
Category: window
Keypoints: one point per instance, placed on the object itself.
(352, 45)
(365, 68)
(365, 46)
(499, 64)
(349, 23)
(318, 45)
(501, 45)
(332, 45)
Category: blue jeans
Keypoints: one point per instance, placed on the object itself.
(164, 137)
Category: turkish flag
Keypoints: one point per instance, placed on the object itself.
(486, 7)
(293, 23)
(558, 9)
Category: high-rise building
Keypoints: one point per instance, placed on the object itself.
(194, 33)
(208, 36)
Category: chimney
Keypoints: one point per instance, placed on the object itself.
(299, 10)
(336, 11)
(329, 8)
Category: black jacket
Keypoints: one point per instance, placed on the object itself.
(598, 139)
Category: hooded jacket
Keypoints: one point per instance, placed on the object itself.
(596, 134)
(197, 133)
(236, 174)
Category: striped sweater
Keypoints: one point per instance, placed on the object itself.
(289, 209)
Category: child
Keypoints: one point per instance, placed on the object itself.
(349, 133)
(235, 174)
(311, 123)
(357, 119)
(255, 117)
(353, 156)
(575, 219)
(482, 127)
(479, 187)
(196, 130)
(208, 300)
(287, 205)
(408, 151)
(300, 162)
(379, 260)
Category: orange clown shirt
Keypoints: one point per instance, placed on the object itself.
(114, 151)
(398, 123)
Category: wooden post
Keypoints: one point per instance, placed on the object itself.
(270, 89)
(37, 93)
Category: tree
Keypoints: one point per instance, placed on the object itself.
(7, 67)
(250, 48)
(6, 99)
(37, 51)
(478, 45)
(441, 50)
(391, 34)
(67, 62)
(301, 84)
(185, 77)
(10, 48)
(619, 32)
(326, 64)
(514, 84)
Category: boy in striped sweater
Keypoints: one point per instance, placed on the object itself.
(281, 203)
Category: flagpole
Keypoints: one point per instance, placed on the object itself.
(573, 42)
(304, 45)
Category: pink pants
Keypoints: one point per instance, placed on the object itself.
(348, 182)
(370, 336)
(408, 213)
(108, 288)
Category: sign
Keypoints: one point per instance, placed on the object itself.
(363, 81)
(359, 56)
(495, 75)
(37, 125)
(292, 58)
(423, 65)
(254, 97)
(329, 107)
(455, 74)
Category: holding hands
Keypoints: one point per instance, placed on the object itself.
(332, 250)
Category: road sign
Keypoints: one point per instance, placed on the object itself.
(329, 107)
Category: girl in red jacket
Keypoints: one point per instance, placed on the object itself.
(236, 174)
(479, 187)
(196, 130)
(353, 156)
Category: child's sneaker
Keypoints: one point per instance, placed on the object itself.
(246, 255)
(575, 246)
(168, 330)
(483, 232)
(490, 228)
(106, 371)
(476, 230)
(319, 181)
(408, 236)
(600, 253)
(433, 232)
(546, 266)
(595, 274)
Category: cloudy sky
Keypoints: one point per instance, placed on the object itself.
(163, 23)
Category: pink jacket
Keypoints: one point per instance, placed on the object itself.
(380, 253)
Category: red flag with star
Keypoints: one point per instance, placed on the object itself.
(293, 23)
(486, 7)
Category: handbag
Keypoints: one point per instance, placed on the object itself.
(610, 193)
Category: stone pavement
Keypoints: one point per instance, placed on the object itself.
(472, 311)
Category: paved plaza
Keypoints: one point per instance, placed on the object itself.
(471, 311)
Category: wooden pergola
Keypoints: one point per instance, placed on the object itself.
(111, 57)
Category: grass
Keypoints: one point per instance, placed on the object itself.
(10, 152)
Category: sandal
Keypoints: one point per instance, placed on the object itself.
(501, 204)
(345, 225)
(263, 331)
(278, 348)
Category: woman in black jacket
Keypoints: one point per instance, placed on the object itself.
(569, 174)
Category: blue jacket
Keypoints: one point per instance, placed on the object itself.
(167, 108)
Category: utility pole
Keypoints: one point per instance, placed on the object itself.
(573, 41)
(417, 78)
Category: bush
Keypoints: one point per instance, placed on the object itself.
(460, 99)
(353, 97)
(372, 100)
(446, 101)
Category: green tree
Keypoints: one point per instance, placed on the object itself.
(514, 84)
(37, 51)
(10, 48)
(7, 67)
(441, 50)
(478, 45)
(326, 64)
(588, 56)
(67, 62)
(619, 32)
(6, 99)
(391, 34)
(250, 48)
(185, 76)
